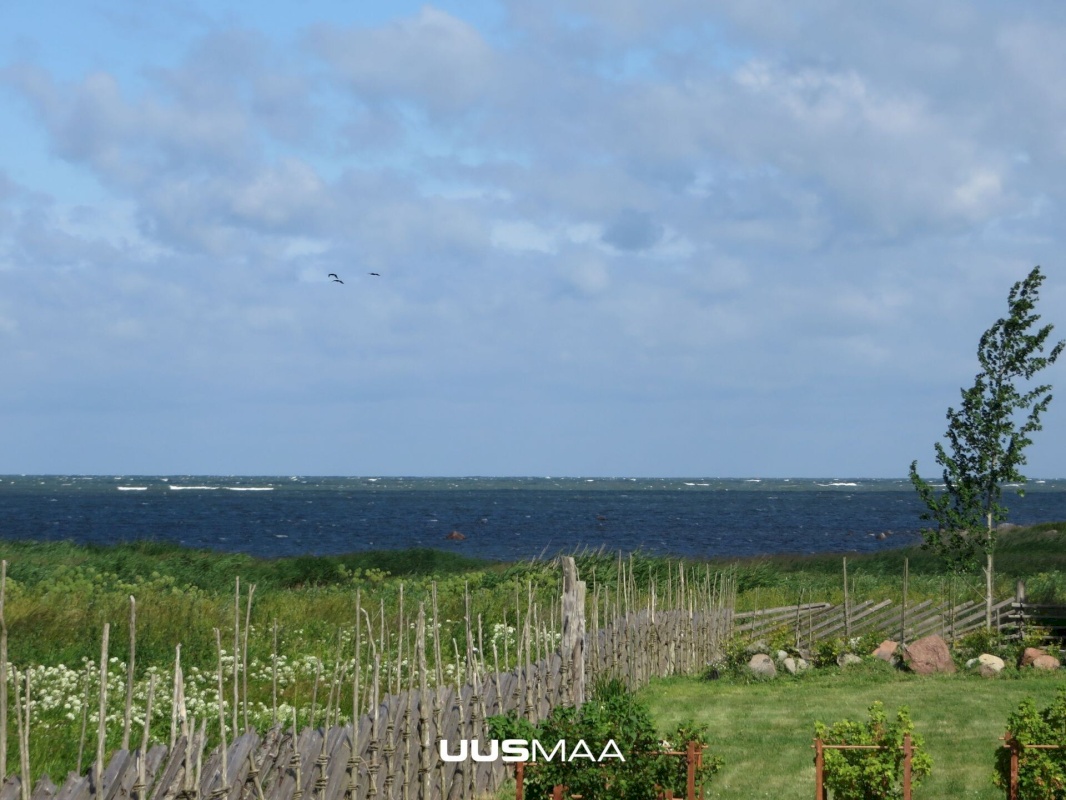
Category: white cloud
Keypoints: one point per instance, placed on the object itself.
(433, 59)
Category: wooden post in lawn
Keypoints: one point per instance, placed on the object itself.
(573, 637)
(690, 761)
(907, 750)
(819, 770)
(519, 780)
(1015, 748)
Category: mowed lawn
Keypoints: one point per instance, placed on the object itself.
(764, 731)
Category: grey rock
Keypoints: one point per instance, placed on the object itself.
(762, 665)
(757, 647)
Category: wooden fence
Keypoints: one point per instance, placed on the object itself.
(393, 753)
(816, 622)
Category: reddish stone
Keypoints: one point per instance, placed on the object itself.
(886, 651)
(928, 655)
(1046, 662)
(1029, 655)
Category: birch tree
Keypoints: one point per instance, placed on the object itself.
(987, 436)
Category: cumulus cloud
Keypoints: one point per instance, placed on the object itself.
(433, 60)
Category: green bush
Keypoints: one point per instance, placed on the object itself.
(612, 713)
(872, 774)
(1041, 773)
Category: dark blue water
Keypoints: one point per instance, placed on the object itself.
(501, 518)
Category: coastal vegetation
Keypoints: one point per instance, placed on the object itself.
(297, 629)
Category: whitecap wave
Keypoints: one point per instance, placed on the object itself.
(248, 488)
(132, 488)
(201, 488)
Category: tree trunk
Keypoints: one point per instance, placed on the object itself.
(988, 576)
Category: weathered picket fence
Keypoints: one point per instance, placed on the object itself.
(393, 754)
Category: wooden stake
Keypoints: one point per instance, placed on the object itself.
(436, 638)
(236, 654)
(101, 729)
(140, 785)
(274, 676)
(221, 717)
(127, 715)
(22, 713)
(84, 719)
(244, 653)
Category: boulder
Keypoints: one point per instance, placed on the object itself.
(928, 655)
(762, 665)
(455, 536)
(1029, 655)
(756, 647)
(886, 651)
(987, 665)
(1046, 662)
(781, 656)
(847, 659)
(994, 663)
(794, 666)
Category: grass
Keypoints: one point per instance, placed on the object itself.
(764, 730)
(60, 594)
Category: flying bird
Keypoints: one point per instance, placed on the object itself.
(375, 274)
(335, 278)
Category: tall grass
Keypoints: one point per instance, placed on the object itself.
(60, 596)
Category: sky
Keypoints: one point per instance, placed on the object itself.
(740, 238)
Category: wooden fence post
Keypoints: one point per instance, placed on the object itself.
(907, 750)
(572, 649)
(690, 759)
(819, 770)
(1015, 747)
(519, 780)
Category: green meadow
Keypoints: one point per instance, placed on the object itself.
(764, 731)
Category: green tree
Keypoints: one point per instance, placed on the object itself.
(986, 440)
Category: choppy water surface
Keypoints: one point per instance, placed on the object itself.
(501, 518)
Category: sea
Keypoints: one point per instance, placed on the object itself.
(504, 519)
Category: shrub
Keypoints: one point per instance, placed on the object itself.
(1041, 773)
(612, 713)
(872, 774)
